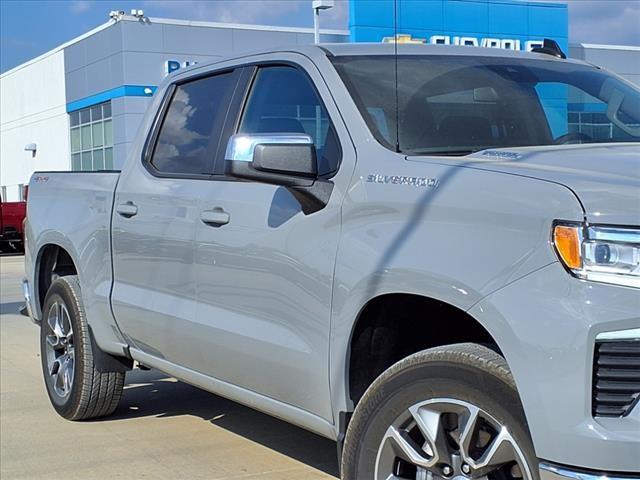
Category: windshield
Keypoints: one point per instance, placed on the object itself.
(461, 104)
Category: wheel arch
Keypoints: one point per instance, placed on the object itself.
(53, 260)
(363, 315)
(390, 314)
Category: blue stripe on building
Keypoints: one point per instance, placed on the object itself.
(117, 92)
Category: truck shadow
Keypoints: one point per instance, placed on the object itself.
(11, 307)
(154, 394)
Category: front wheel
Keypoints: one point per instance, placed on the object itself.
(445, 413)
(76, 388)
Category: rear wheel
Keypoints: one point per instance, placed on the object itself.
(446, 413)
(77, 390)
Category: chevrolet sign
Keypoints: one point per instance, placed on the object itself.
(488, 42)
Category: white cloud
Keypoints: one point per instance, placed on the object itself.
(604, 21)
(175, 129)
(265, 12)
(79, 6)
(239, 11)
(594, 21)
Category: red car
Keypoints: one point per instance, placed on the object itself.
(12, 216)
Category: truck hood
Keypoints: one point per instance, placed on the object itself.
(605, 177)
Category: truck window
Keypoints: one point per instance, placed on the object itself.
(584, 114)
(456, 105)
(283, 100)
(191, 129)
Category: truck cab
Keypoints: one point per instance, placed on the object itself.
(409, 250)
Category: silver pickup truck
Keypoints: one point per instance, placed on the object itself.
(431, 256)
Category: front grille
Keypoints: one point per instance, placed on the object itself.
(616, 377)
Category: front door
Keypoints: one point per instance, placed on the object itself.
(265, 276)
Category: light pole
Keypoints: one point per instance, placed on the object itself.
(318, 5)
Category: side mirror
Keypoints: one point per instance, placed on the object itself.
(271, 158)
(285, 159)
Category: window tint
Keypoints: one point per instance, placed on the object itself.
(190, 132)
(584, 114)
(467, 118)
(283, 100)
(457, 104)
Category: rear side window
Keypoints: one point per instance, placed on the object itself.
(283, 100)
(191, 129)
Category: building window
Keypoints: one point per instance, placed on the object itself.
(92, 138)
(598, 126)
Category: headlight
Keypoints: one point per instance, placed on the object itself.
(600, 254)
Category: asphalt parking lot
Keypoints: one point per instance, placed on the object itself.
(162, 429)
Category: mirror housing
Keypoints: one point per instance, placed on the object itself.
(284, 159)
(292, 159)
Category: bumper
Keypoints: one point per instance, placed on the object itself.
(549, 471)
(547, 324)
(11, 236)
(28, 300)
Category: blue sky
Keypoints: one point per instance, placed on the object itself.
(31, 27)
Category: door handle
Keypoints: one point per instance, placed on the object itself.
(127, 210)
(216, 217)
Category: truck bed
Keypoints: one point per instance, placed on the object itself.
(72, 211)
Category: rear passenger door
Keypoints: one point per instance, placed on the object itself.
(156, 211)
(265, 275)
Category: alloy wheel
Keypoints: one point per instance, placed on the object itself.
(449, 439)
(59, 348)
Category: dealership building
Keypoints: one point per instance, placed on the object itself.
(78, 106)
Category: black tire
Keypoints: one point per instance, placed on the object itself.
(467, 372)
(92, 393)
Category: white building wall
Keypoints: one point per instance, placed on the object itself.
(621, 59)
(33, 110)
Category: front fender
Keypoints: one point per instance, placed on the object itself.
(474, 233)
(547, 324)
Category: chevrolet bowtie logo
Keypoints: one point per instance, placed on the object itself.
(403, 38)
